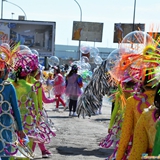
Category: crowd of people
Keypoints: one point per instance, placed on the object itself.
(22, 100)
(134, 125)
(133, 131)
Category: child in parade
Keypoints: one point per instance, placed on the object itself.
(134, 108)
(58, 87)
(73, 88)
(34, 79)
(49, 83)
(145, 130)
(26, 96)
(8, 94)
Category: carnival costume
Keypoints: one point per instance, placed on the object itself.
(26, 95)
(9, 105)
(114, 129)
(27, 102)
(42, 126)
(134, 108)
(144, 134)
(58, 88)
(13, 139)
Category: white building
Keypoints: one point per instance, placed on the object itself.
(68, 54)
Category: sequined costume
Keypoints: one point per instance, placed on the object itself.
(144, 134)
(131, 116)
(113, 137)
(8, 94)
(24, 92)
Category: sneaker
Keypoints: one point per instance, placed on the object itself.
(97, 113)
(100, 112)
(74, 114)
(56, 109)
(70, 114)
(46, 154)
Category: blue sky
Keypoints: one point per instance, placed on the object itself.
(64, 12)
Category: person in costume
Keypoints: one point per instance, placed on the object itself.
(49, 83)
(26, 96)
(35, 73)
(8, 94)
(58, 87)
(134, 108)
(44, 98)
(145, 130)
(123, 92)
(73, 88)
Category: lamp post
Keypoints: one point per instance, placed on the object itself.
(80, 21)
(80, 10)
(1, 9)
(12, 14)
(134, 12)
(13, 4)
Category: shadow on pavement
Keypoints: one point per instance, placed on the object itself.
(59, 117)
(102, 119)
(64, 150)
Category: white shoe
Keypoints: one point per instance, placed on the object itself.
(56, 109)
(97, 113)
(100, 112)
(74, 114)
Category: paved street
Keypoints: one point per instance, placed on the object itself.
(78, 138)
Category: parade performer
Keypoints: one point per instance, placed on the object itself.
(134, 108)
(73, 88)
(8, 95)
(49, 83)
(145, 130)
(35, 73)
(26, 96)
(114, 130)
(58, 87)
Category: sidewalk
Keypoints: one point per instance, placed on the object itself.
(78, 138)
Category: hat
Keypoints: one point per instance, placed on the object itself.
(22, 64)
(4, 57)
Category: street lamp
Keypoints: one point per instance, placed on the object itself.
(12, 14)
(134, 12)
(13, 4)
(80, 10)
(80, 21)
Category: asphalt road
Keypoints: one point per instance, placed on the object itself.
(78, 138)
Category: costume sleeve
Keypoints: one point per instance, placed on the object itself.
(39, 96)
(156, 147)
(34, 97)
(14, 104)
(45, 99)
(140, 140)
(127, 129)
(114, 113)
